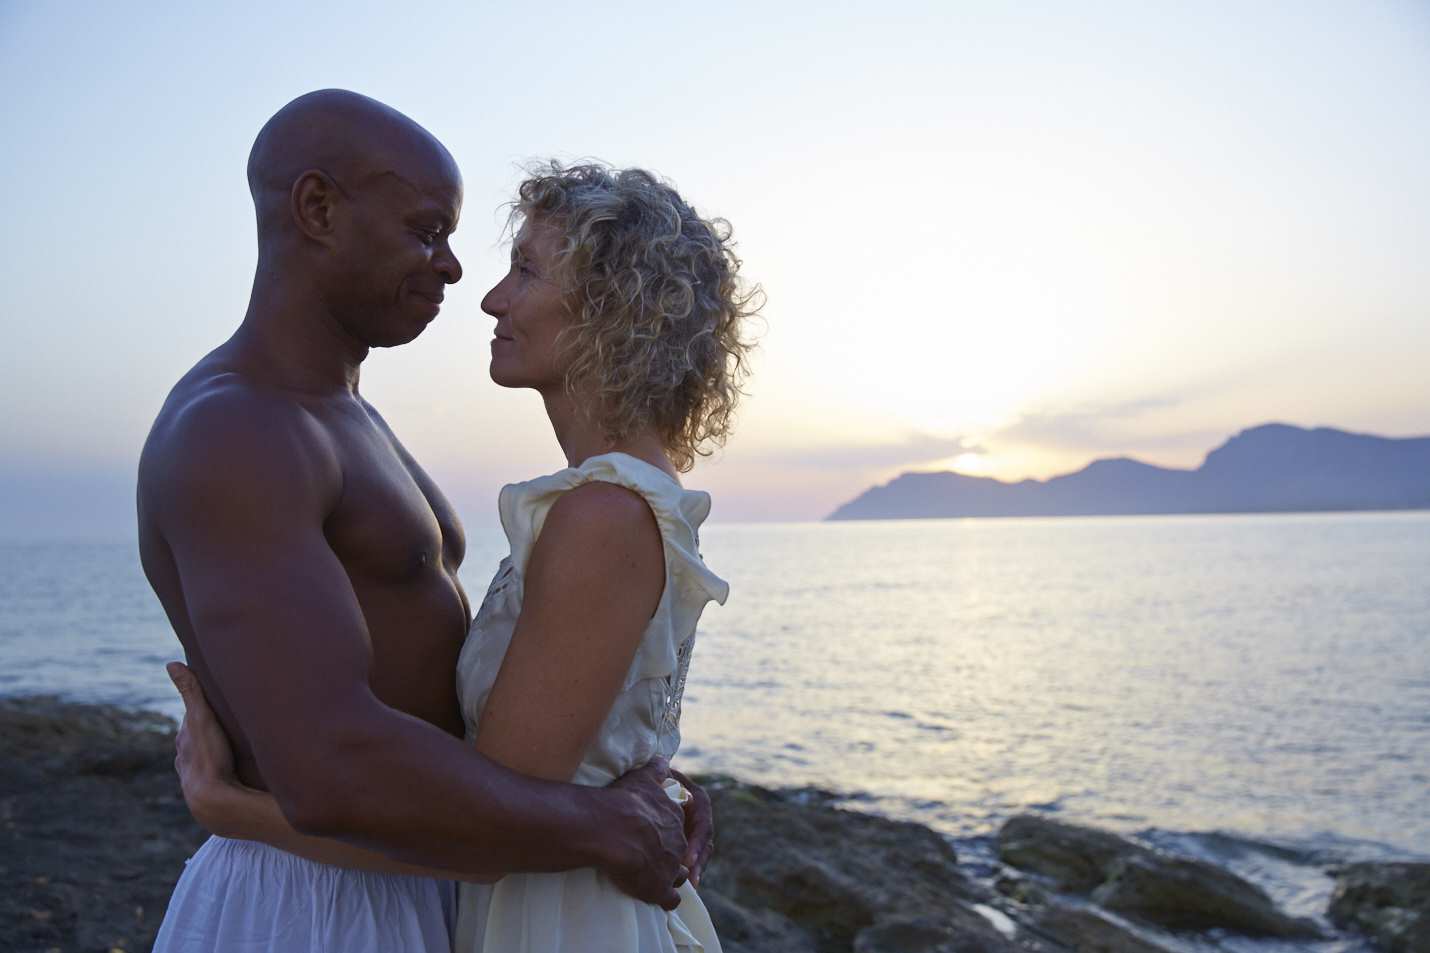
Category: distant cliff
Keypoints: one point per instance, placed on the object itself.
(1271, 468)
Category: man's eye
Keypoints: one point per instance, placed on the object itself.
(428, 237)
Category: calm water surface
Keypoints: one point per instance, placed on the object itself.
(1260, 675)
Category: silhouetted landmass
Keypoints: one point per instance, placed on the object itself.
(1267, 469)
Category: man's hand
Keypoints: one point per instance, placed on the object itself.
(699, 828)
(649, 837)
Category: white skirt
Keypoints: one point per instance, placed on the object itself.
(237, 895)
(579, 911)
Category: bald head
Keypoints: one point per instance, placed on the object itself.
(356, 206)
(349, 137)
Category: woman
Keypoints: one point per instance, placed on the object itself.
(622, 308)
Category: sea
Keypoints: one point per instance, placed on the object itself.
(1250, 689)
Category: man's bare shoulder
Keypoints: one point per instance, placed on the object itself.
(221, 433)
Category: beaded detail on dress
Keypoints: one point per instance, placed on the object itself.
(675, 688)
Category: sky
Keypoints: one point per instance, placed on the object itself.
(1000, 238)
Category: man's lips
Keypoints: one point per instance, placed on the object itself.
(434, 298)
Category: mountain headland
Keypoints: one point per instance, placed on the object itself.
(1272, 468)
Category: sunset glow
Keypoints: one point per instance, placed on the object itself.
(1010, 242)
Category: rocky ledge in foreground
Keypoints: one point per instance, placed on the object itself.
(795, 873)
(93, 830)
(93, 834)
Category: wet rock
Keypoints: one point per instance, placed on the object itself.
(794, 873)
(1389, 902)
(1076, 859)
(905, 936)
(1089, 931)
(1171, 892)
(965, 932)
(1019, 890)
(1182, 894)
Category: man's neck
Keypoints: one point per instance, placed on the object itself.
(294, 336)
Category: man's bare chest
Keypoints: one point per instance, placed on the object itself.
(391, 523)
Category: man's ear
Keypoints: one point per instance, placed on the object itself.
(312, 203)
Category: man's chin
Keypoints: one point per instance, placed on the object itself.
(397, 338)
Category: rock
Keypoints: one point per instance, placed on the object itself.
(1019, 890)
(94, 833)
(905, 936)
(1086, 930)
(45, 735)
(1171, 892)
(1076, 859)
(1182, 894)
(967, 932)
(753, 931)
(832, 877)
(1389, 902)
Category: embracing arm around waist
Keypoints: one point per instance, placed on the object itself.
(233, 810)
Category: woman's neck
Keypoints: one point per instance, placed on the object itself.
(581, 436)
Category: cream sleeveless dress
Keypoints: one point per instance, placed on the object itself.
(582, 911)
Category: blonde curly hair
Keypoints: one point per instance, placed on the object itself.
(655, 299)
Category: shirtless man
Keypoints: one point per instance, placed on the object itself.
(309, 567)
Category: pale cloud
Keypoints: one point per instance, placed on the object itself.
(1082, 428)
(914, 448)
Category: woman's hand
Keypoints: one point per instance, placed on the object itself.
(699, 828)
(204, 758)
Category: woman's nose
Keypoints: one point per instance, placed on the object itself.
(494, 303)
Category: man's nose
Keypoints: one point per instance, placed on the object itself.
(448, 266)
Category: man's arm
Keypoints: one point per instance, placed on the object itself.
(224, 806)
(240, 489)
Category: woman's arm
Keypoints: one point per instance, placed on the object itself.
(223, 806)
(593, 581)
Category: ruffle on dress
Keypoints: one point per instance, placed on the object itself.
(678, 513)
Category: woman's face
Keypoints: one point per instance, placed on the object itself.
(530, 310)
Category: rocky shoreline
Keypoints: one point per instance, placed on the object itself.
(94, 834)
